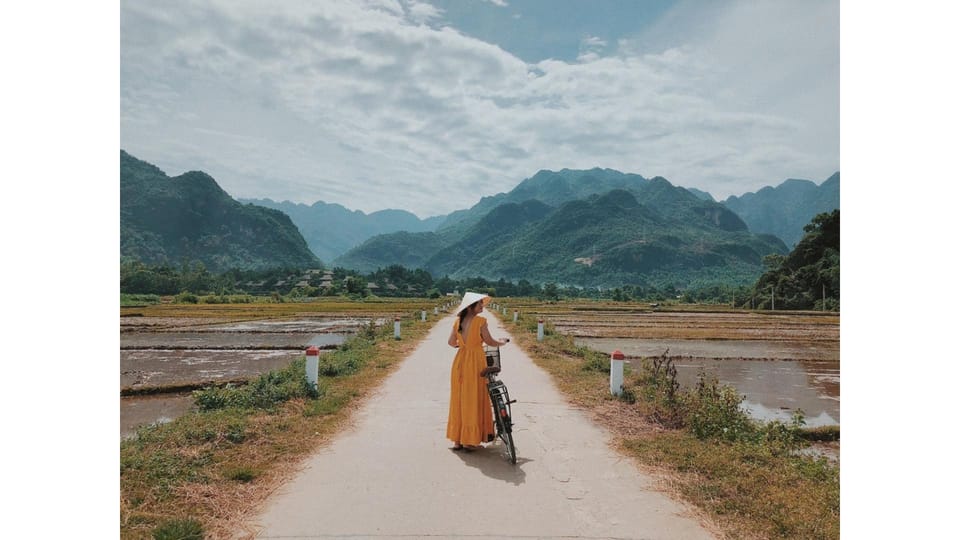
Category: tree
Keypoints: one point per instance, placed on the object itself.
(802, 278)
(355, 285)
(550, 292)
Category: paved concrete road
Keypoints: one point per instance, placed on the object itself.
(392, 475)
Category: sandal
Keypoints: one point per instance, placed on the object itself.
(457, 447)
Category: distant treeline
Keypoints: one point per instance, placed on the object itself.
(193, 279)
(807, 278)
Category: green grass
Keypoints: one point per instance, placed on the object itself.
(179, 529)
(138, 300)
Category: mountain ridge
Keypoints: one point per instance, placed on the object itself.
(784, 210)
(190, 218)
(331, 229)
(643, 231)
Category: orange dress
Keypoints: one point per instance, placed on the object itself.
(470, 420)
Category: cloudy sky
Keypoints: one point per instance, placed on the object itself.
(430, 105)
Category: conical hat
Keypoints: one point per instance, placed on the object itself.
(470, 298)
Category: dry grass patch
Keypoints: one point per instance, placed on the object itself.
(749, 490)
(267, 310)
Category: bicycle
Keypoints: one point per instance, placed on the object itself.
(501, 401)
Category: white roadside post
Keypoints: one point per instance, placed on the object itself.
(396, 328)
(540, 330)
(435, 311)
(423, 315)
(514, 315)
(313, 365)
(616, 372)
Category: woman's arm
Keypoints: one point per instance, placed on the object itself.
(488, 339)
(452, 340)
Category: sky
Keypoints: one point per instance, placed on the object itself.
(429, 106)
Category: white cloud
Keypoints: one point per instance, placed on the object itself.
(364, 105)
(590, 48)
(422, 12)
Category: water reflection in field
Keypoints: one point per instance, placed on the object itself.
(776, 378)
(136, 411)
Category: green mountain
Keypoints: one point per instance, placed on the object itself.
(784, 210)
(411, 250)
(500, 226)
(331, 230)
(551, 188)
(166, 220)
(645, 232)
(701, 194)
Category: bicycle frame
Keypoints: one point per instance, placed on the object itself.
(500, 399)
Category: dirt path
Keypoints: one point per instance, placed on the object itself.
(392, 475)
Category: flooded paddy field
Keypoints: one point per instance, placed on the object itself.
(136, 411)
(161, 359)
(781, 362)
(168, 349)
(773, 381)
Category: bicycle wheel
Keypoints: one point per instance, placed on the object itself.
(505, 429)
(498, 417)
(507, 437)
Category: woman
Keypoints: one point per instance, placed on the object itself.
(470, 420)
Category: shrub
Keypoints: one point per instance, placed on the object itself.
(369, 331)
(185, 298)
(348, 358)
(594, 361)
(179, 529)
(267, 391)
(713, 411)
(137, 300)
(661, 391)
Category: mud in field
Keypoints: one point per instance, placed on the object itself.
(779, 362)
(154, 368)
(227, 340)
(743, 326)
(702, 348)
(220, 326)
(160, 355)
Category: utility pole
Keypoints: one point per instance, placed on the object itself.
(772, 306)
(824, 306)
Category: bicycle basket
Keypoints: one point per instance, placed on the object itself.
(493, 356)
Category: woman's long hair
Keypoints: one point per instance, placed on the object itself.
(460, 315)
